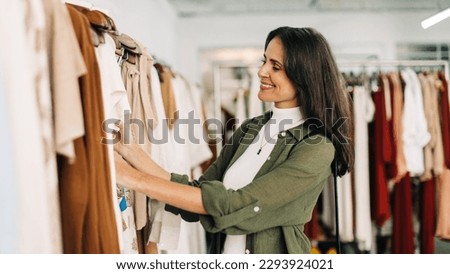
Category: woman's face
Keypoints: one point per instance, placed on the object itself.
(275, 86)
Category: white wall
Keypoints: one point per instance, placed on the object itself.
(348, 33)
(178, 41)
(153, 22)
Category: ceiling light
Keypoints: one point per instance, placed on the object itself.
(438, 17)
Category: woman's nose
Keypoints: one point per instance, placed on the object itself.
(262, 73)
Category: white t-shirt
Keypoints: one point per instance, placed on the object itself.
(115, 102)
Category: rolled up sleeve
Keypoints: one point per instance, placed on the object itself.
(214, 172)
(283, 196)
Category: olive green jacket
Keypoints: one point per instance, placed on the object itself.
(274, 207)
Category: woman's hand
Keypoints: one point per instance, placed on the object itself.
(136, 157)
(159, 188)
(126, 147)
(124, 172)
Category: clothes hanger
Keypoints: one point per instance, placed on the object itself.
(94, 19)
(98, 16)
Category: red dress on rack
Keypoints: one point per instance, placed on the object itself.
(379, 151)
(402, 204)
(445, 119)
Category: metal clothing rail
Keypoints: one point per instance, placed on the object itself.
(398, 63)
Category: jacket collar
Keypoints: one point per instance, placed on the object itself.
(297, 132)
(295, 135)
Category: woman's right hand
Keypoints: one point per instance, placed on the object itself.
(126, 147)
(132, 153)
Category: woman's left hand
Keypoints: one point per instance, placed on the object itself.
(123, 171)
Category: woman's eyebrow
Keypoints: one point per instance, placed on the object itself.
(273, 60)
(276, 62)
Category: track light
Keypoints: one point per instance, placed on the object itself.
(438, 17)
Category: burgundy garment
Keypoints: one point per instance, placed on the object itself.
(380, 151)
(312, 227)
(391, 169)
(427, 216)
(445, 119)
(402, 231)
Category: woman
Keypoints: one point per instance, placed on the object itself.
(262, 189)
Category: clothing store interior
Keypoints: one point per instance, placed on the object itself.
(169, 60)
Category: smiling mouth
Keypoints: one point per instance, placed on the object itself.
(266, 86)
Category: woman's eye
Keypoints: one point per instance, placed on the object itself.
(276, 68)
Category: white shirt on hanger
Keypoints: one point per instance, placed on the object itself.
(364, 110)
(33, 202)
(192, 235)
(115, 102)
(415, 131)
(165, 230)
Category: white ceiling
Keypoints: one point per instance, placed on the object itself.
(192, 8)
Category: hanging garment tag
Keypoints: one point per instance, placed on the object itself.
(123, 204)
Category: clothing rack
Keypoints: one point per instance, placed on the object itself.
(218, 82)
(383, 65)
(397, 63)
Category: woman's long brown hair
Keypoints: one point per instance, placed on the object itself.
(325, 104)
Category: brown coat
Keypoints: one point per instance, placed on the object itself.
(88, 218)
